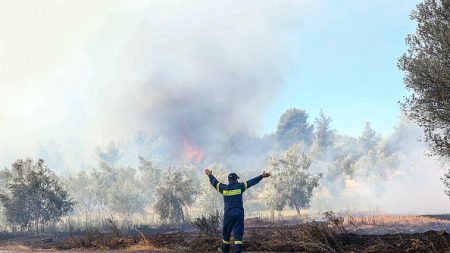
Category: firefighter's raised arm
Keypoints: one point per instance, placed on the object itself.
(254, 181)
(214, 182)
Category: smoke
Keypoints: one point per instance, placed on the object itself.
(397, 176)
(201, 74)
(166, 78)
(81, 74)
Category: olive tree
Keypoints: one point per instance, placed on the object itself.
(292, 183)
(119, 189)
(148, 178)
(33, 195)
(426, 65)
(174, 193)
(82, 188)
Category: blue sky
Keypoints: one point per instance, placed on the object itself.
(344, 62)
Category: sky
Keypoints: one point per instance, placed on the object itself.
(78, 74)
(345, 62)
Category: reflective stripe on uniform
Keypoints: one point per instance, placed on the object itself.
(245, 185)
(218, 186)
(226, 242)
(237, 242)
(232, 192)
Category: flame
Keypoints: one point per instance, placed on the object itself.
(192, 152)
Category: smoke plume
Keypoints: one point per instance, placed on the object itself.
(81, 74)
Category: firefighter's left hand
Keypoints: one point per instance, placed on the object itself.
(208, 172)
(265, 174)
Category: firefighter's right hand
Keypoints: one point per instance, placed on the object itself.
(265, 174)
(208, 172)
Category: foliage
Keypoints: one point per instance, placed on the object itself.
(427, 74)
(369, 138)
(210, 200)
(104, 176)
(82, 188)
(446, 180)
(209, 225)
(376, 165)
(124, 195)
(33, 194)
(174, 192)
(149, 176)
(345, 147)
(293, 127)
(291, 183)
(109, 153)
(324, 135)
(118, 189)
(341, 167)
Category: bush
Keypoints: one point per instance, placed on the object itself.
(208, 225)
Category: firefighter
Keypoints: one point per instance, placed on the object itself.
(233, 219)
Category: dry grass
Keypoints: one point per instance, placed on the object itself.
(16, 247)
(143, 247)
(208, 225)
(383, 220)
(319, 237)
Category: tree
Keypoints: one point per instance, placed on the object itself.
(82, 187)
(426, 65)
(149, 176)
(104, 177)
(174, 192)
(119, 189)
(293, 127)
(446, 180)
(210, 200)
(369, 138)
(340, 168)
(291, 183)
(376, 165)
(33, 195)
(345, 147)
(109, 153)
(324, 135)
(125, 196)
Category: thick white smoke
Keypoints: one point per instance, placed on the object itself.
(83, 73)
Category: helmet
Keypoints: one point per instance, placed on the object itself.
(232, 177)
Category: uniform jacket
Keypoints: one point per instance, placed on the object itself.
(232, 194)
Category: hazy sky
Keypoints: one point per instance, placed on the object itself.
(81, 73)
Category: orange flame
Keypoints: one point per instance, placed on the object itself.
(192, 153)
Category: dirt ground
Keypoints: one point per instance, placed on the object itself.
(259, 237)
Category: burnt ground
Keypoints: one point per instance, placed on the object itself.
(259, 237)
(289, 239)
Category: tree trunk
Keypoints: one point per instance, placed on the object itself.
(36, 226)
(297, 209)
